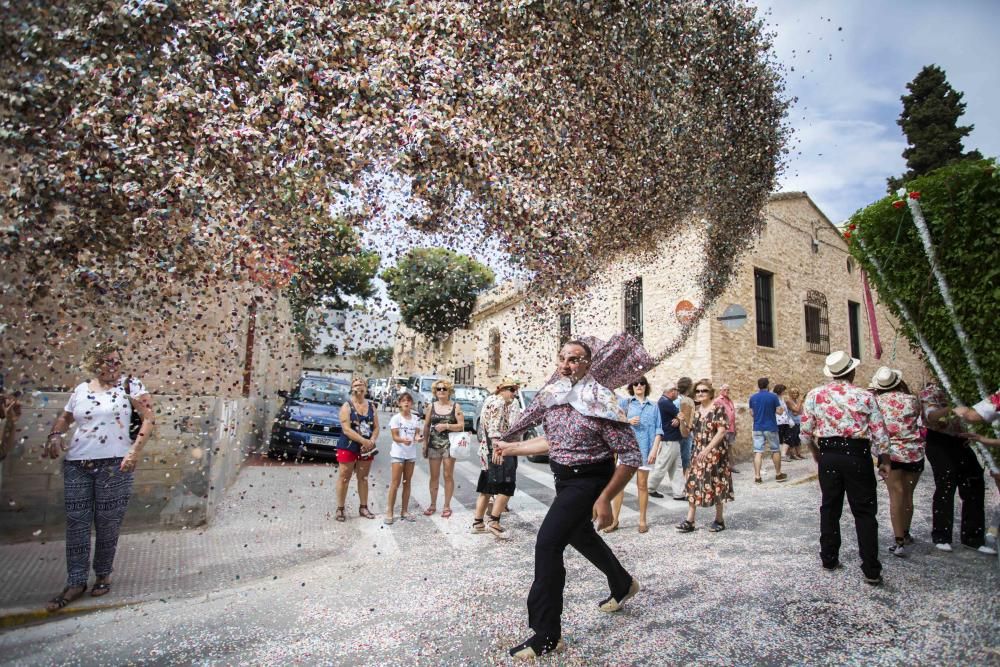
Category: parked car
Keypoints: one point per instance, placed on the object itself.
(421, 387)
(308, 424)
(471, 399)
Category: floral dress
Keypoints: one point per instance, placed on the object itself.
(711, 480)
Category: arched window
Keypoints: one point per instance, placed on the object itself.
(817, 322)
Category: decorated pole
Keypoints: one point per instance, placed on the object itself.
(927, 350)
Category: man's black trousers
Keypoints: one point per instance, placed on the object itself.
(569, 522)
(849, 473)
(955, 467)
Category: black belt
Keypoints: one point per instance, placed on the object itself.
(852, 446)
(600, 468)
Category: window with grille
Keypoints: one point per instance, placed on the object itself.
(633, 308)
(565, 328)
(817, 322)
(854, 322)
(763, 287)
(494, 366)
(463, 374)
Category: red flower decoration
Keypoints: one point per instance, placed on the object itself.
(847, 235)
(899, 203)
(852, 226)
(914, 195)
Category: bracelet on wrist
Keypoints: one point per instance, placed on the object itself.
(54, 434)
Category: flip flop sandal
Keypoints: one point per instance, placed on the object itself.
(389, 520)
(407, 517)
(340, 514)
(100, 589)
(445, 514)
(61, 600)
(430, 511)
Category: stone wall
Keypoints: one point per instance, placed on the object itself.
(195, 453)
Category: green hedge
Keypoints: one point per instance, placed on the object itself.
(961, 204)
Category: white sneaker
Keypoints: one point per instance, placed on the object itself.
(943, 546)
(985, 549)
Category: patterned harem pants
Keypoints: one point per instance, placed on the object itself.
(97, 493)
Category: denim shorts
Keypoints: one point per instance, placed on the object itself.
(770, 438)
(399, 460)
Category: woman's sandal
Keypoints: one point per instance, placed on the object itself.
(643, 528)
(493, 525)
(365, 512)
(430, 510)
(340, 514)
(717, 527)
(60, 601)
(685, 526)
(478, 527)
(445, 514)
(99, 589)
(612, 528)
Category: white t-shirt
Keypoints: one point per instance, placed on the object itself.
(102, 419)
(408, 428)
(987, 409)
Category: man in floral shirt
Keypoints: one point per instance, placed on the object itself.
(841, 424)
(584, 429)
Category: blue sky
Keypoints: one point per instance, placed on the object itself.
(852, 60)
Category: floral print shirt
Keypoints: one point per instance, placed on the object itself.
(497, 417)
(932, 398)
(901, 413)
(841, 409)
(576, 439)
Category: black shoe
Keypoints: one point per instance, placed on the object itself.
(535, 647)
(655, 494)
(873, 581)
(681, 498)
(835, 565)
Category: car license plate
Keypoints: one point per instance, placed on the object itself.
(322, 440)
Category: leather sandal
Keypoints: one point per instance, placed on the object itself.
(340, 514)
(685, 526)
(365, 512)
(60, 601)
(493, 525)
(99, 589)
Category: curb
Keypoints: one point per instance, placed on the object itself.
(20, 616)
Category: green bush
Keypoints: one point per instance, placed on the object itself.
(961, 204)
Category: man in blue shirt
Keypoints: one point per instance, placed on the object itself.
(667, 454)
(765, 407)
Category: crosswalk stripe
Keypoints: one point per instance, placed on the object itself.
(455, 528)
(524, 505)
(547, 480)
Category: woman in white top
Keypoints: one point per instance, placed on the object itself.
(406, 429)
(784, 422)
(97, 469)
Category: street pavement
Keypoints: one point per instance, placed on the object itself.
(275, 580)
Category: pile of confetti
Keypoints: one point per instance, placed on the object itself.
(163, 141)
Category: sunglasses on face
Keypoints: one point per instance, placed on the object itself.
(638, 384)
(702, 391)
(441, 389)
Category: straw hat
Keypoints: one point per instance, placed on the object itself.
(506, 382)
(885, 378)
(839, 363)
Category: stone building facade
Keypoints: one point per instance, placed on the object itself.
(796, 296)
(212, 358)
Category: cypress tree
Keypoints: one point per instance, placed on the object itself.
(930, 122)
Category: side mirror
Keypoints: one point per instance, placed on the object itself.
(283, 393)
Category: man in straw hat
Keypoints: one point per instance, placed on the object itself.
(496, 480)
(584, 428)
(840, 424)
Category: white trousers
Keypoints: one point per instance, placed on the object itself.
(667, 464)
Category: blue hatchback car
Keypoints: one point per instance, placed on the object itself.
(307, 427)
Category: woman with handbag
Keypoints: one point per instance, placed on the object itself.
(443, 416)
(497, 478)
(98, 467)
(356, 448)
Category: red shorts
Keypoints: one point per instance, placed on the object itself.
(347, 456)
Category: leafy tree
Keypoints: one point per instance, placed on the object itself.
(436, 289)
(930, 122)
(961, 204)
(330, 265)
(377, 356)
(331, 350)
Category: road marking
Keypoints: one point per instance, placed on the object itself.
(455, 529)
(546, 479)
(524, 505)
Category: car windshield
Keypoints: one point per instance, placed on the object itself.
(322, 391)
(474, 394)
(426, 384)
